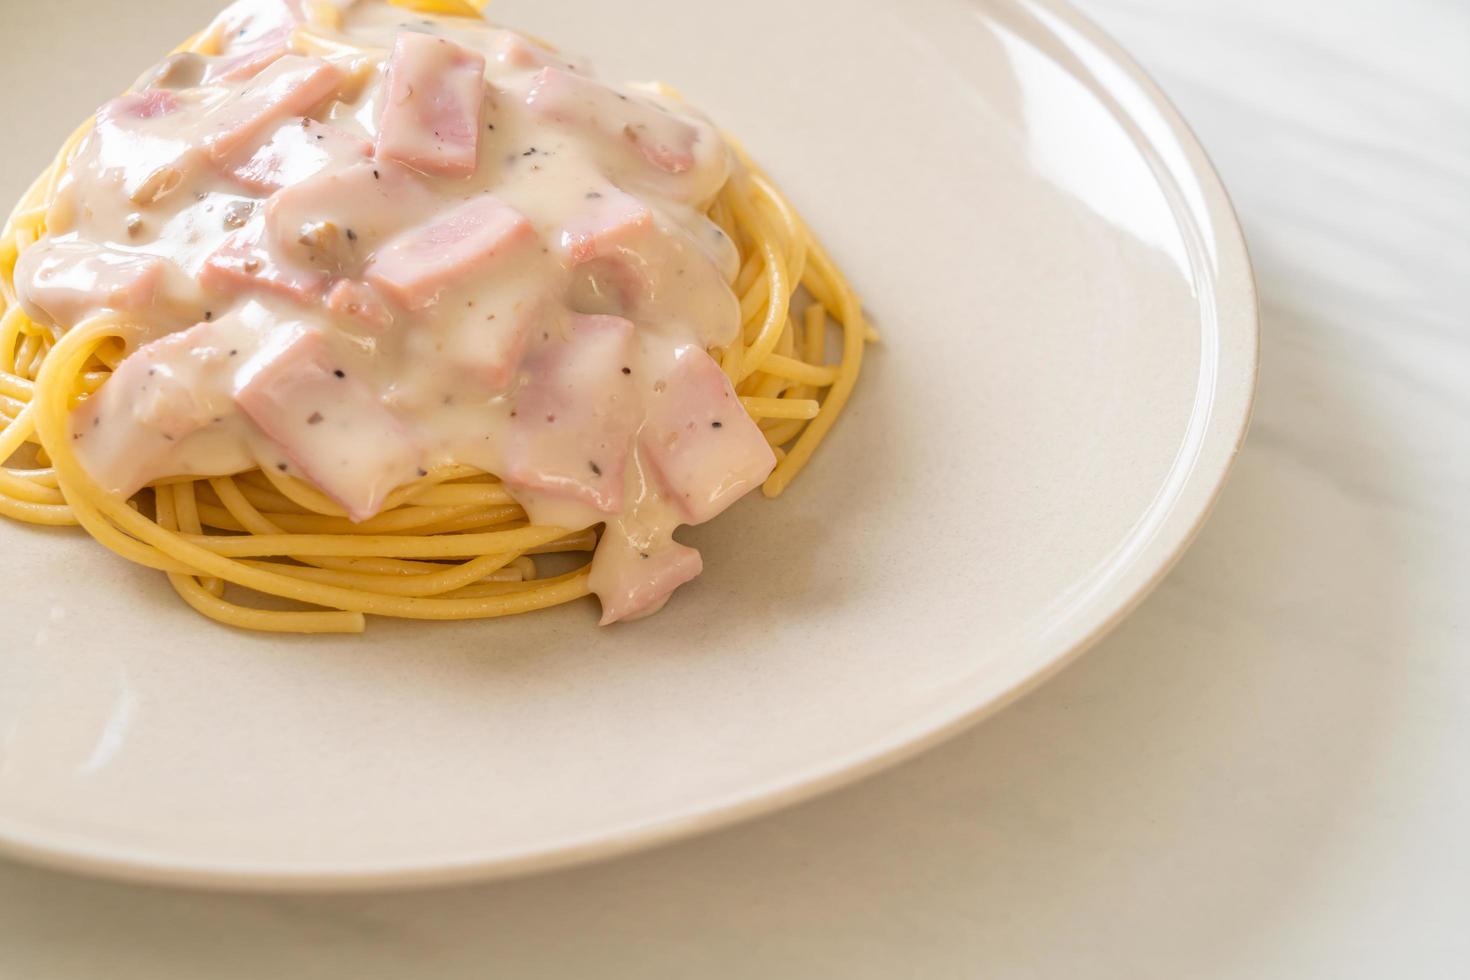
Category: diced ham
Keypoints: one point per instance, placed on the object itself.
(155, 399)
(299, 149)
(576, 416)
(625, 261)
(360, 303)
(704, 450)
(371, 200)
(608, 220)
(485, 344)
(516, 52)
(65, 282)
(431, 113)
(136, 141)
(153, 104)
(242, 264)
(253, 35)
(291, 86)
(414, 268)
(330, 426)
(633, 583)
(664, 140)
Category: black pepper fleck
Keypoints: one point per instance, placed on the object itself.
(314, 418)
(233, 353)
(717, 425)
(208, 315)
(376, 175)
(340, 373)
(351, 235)
(423, 472)
(281, 467)
(627, 370)
(596, 470)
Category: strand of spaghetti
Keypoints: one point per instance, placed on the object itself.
(780, 433)
(780, 408)
(817, 375)
(778, 301)
(186, 517)
(230, 494)
(211, 602)
(796, 232)
(853, 341)
(430, 546)
(419, 586)
(21, 488)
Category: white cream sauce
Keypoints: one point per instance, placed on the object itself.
(425, 241)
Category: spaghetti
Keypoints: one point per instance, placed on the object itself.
(452, 544)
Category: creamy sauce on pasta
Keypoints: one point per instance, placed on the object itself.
(359, 250)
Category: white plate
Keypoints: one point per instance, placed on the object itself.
(1067, 372)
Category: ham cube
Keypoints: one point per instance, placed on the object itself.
(153, 104)
(309, 222)
(576, 416)
(291, 86)
(608, 221)
(252, 34)
(243, 264)
(633, 582)
(431, 113)
(415, 268)
(249, 62)
(484, 344)
(141, 146)
(704, 450)
(360, 304)
(516, 52)
(662, 139)
(65, 282)
(299, 149)
(327, 424)
(157, 397)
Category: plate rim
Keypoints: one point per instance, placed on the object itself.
(1238, 321)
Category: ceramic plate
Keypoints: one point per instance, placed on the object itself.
(1067, 368)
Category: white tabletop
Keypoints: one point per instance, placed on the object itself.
(1262, 773)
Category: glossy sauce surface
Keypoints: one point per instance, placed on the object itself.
(360, 250)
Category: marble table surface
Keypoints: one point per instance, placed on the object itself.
(1262, 773)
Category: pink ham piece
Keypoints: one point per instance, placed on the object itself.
(516, 52)
(243, 264)
(662, 139)
(361, 305)
(299, 149)
(327, 424)
(632, 583)
(153, 104)
(65, 282)
(704, 450)
(610, 220)
(157, 397)
(291, 86)
(487, 343)
(431, 113)
(253, 35)
(372, 200)
(137, 142)
(575, 417)
(415, 268)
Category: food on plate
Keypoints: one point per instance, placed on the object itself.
(379, 308)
